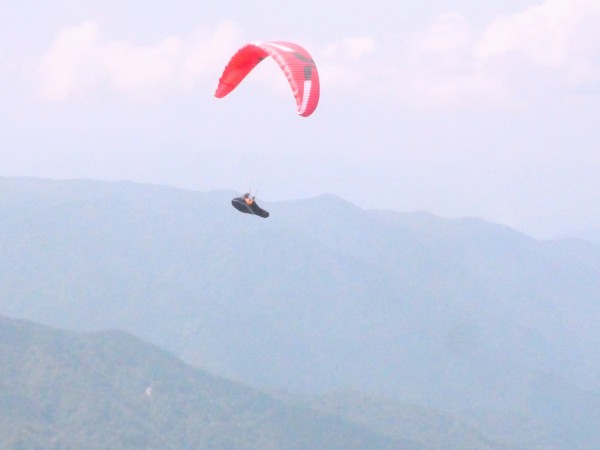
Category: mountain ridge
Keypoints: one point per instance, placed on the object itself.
(110, 390)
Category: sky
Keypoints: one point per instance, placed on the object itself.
(459, 108)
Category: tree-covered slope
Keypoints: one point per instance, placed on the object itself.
(65, 390)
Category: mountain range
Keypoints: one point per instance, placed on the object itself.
(459, 315)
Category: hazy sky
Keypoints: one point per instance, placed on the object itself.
(464, 107)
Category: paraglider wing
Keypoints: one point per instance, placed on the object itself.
(240, 204)
(295, 62)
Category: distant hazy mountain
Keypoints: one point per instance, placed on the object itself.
(591, 235)
(456, 314)
(110, 391)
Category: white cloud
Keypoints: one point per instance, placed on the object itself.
(440, 70)
(65, 70)
(353, 48)
(342, 63)
(131, 69)
(546, 50)
(81, 61)
(549, 47)
(549, 34)
(561, 37)
(206, 53)
(449, 34)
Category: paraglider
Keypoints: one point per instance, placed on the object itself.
(295, 62)
(247, 204)
(301, 73)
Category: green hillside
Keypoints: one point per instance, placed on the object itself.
(63, 390)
